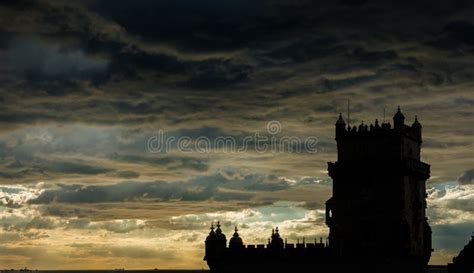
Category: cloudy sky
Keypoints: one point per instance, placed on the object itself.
(86, 84)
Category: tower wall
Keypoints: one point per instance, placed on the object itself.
(379, 193)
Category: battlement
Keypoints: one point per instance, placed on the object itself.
(285, 248)
(379, 142)
(217, 241)
(276, 254)
(383, 130)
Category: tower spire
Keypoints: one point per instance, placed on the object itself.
(398, 119)
(416, 123)
(236, 241)
(340, 120)
(340, 127)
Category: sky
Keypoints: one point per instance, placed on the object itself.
(87, 87)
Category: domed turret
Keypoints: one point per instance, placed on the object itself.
(212, 233)
(416, 128)
(236, 241)
(211, 240)
(340, 127)
(398, 119)
(276, 241)
(219, 234)
(340, 120)
(215, 243)
(416, 124)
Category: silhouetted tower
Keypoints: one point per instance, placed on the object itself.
(236, 242)
(276, 242)
(377, 211)
(216, 244)
(211, 244)
(221, 241)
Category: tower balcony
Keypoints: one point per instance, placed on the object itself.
(406, 165)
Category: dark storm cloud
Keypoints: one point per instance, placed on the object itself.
(217, 187)
(171, 162)
(215, 74)
(181, 22)
(128, 174)
(170, 45)
(312, 205)
(467, 177)
(38, 166)
(109, 193)
(73, 53)
(39, 61)
(456, 35)
(249, 182)
(306, 49)
(74, 167)
(235, 24)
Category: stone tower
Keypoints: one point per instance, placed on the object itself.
(377, 211)
(216, 245)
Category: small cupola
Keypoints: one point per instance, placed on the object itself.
(235, 241)
(398, 119)
(416, 124)
(219, 233)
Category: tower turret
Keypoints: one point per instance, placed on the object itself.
(398, 119)
(236, 242)
(276, 241)
(212, 234)
(215, 246)
(340, 127)
(416, 129)
(211, 244)
(220, 237)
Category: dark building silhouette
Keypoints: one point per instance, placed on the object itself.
(379, 197)
(464, 262)
(376, 215)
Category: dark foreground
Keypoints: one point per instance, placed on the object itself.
(431, 269)
(104, 271)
